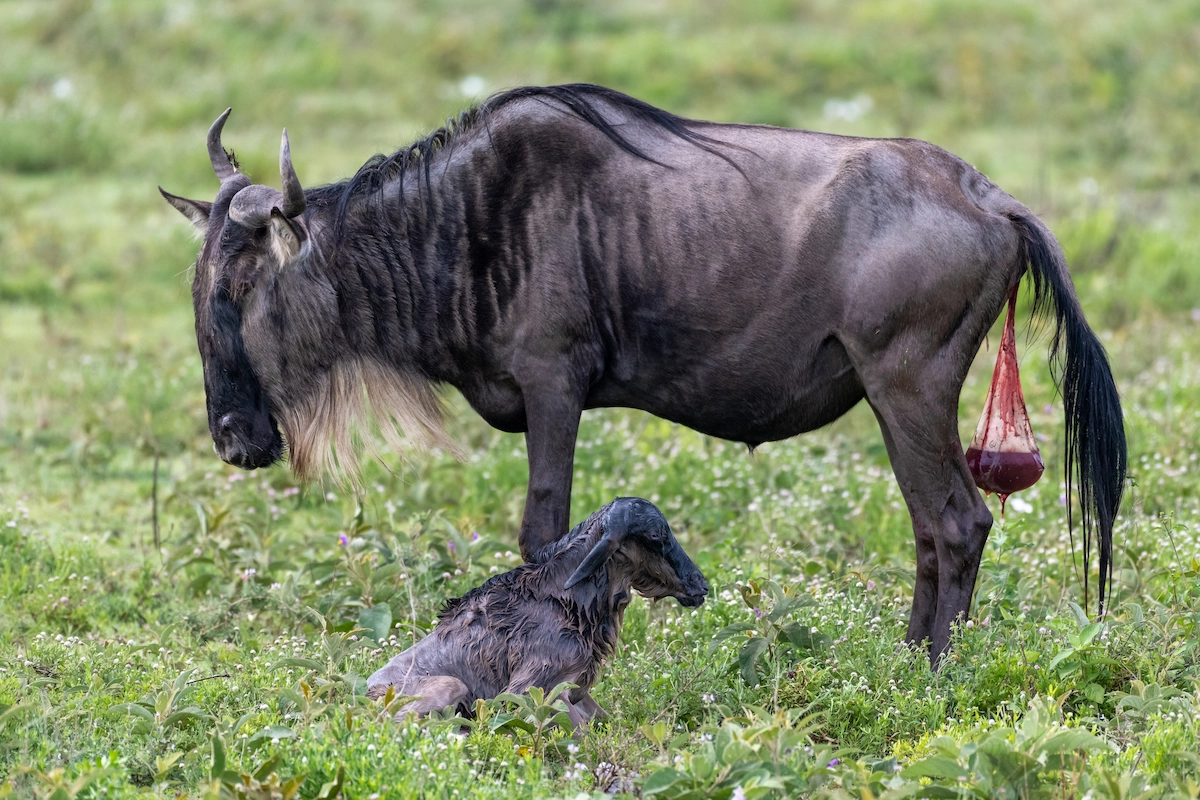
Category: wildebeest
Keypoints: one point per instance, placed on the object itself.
(547, 622)
(569, 247)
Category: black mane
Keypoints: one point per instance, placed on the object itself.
(580, 99)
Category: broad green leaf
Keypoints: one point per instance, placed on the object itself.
(787, 605)
(137, 709)
(661, 780)
(728, 631)
(218, 757)
(267, 767)
(1071, 740)
(1089, 633)
(376, 621)
(306, 663)
(1061, 657)
(184, 714)
(333, 788)
(748, 658)
(934, 767)
(272, 733)
(800, 635)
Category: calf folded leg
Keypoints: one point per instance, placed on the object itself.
(432, 693)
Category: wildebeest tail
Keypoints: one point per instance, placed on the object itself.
(1095, 431)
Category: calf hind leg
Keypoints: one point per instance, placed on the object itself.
(433, 693)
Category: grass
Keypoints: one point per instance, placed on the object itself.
(220, 649)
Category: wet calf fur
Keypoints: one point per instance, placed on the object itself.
(547, 622)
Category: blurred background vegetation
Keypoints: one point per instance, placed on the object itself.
(1087, 111)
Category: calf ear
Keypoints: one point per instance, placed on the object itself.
(601, 552)
(195, 210)
(286, 237)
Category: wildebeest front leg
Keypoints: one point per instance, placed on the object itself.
(552, 423)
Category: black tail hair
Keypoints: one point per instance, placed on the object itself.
(1096, 453)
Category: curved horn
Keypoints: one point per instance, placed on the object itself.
(293, 195)
(252, 206)
(216, 153)
(600, 553)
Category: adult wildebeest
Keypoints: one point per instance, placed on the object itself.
(548, 622)
(569, 247)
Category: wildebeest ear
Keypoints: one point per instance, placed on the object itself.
(286, 237)
(600, 553)
(195, 210)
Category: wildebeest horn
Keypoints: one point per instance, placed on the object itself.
(216, 153)
(599, 554)
(253, 205)
(293, 195)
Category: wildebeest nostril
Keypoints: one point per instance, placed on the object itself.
(225, 425)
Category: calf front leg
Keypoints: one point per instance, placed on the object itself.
(583, 699)
(552, 423)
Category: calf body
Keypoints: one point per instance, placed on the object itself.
(548, 622)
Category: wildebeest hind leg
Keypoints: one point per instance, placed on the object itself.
(925, 584)
(918, 411)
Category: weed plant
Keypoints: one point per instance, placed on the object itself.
(173, 627)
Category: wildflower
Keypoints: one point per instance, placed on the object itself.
(834, 762)
(738, 793)
(451, 547)
(342, 540)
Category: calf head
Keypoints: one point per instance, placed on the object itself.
(638, 542)
(250, 232)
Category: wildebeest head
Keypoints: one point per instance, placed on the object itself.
(251, 232)
(638, 536)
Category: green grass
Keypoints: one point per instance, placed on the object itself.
(1086, 111)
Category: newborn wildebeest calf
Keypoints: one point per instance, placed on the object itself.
(550, 621)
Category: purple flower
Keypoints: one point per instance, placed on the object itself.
(450, 546)
(475, 536)
(757, 612)
(342, 540)
(834, 763)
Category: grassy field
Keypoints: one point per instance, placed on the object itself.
(173, 627)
